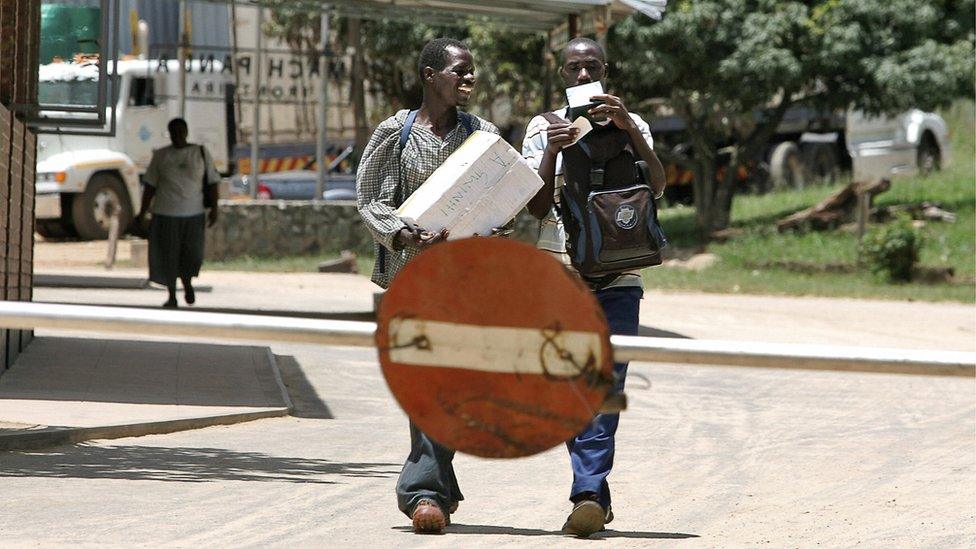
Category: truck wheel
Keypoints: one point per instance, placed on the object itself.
(785, 166)
(820, 162)
(929, 156)
(51, 228)
(91, 210)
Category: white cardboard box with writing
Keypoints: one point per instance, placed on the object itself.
(483, 185)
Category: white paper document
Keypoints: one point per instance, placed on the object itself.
(580, 95)
(483, 185)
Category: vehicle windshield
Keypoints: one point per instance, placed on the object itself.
(78, 92)
(68, 84)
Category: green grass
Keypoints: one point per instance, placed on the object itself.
(944, 244)
(758, 244)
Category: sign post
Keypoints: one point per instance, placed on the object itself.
(493, 348)
(321, 165)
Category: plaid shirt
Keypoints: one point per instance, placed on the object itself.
(383, 182)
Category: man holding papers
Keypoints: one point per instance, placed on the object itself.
(403, 152)
(583, 68)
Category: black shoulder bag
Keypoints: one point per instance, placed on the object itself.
(208, 202)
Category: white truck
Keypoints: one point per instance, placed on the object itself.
(82, 179)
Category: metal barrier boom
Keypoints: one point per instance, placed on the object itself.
(161, 322)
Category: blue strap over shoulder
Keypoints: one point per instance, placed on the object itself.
(466, 120)
(407, 126)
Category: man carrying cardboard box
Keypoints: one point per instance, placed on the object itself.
(584, 64)
(403, 152)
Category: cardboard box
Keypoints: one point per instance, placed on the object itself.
(483, 185)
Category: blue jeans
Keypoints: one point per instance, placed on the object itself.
(428, 473)
(591, 452)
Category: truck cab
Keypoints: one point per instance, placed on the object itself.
(83, 180)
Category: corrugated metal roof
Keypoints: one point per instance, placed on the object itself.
(534, 15)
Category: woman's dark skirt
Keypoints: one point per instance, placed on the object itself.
(175, 248)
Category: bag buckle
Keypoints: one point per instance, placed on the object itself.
(596, 177)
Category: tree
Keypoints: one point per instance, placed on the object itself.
(732, 68)
(297, 24)
(508, 65)
(383, 61)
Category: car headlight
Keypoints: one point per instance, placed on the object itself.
(52, 177)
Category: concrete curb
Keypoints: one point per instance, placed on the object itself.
(45, 280)
(56, 436)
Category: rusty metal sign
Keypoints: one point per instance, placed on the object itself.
(493, 348)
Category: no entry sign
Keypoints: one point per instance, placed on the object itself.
(493, 348)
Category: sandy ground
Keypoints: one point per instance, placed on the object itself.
(707, 456)
(59, 255)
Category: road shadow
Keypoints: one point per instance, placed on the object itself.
(179, 464)
(647, 331)
(485, 529)
(143, 372)
(305, 400)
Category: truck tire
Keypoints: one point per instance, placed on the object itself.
(90, 210)
(51, 229)
(929, 155)
(820, 162)
(786, 167)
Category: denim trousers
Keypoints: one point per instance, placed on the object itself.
(591, 451)
(428, 472)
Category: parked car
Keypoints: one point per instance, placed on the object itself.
(300, 184)
(811, 146)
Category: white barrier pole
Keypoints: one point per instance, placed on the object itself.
(27, 315)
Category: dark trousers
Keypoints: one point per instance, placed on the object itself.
(428, 472)
(175, 248)
(591, 452)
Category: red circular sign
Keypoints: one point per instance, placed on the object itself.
(494, 348)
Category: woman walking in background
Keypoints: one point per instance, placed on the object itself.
(181, 185)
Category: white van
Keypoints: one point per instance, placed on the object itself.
(882, 146)
(81, 179)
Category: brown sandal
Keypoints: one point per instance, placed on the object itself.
(428, 517)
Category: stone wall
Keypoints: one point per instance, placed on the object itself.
(19, 40)
(279, 228)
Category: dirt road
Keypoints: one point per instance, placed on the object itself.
(706, 456)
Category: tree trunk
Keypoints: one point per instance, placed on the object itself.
(721, 213)
(357, 84)
(704, 162)
(704, 190)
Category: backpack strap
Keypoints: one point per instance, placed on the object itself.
(404, 137)
(206, 175)
(597, 167)
(405, 131)
(554, 118)
(467, 122)
(596, 172)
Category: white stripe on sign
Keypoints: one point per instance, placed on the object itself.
(492, 348)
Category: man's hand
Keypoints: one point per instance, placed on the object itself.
(415, 237)
(560, 135)
(212, 216)
(614, 109)
(503, 232)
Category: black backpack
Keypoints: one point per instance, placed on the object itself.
(607, 205)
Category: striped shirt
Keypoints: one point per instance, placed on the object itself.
(383, 182)
(552, 235)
